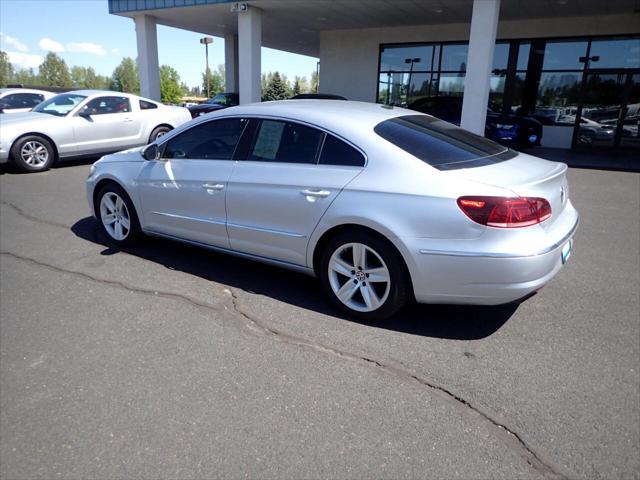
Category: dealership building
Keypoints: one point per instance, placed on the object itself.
(572, 64)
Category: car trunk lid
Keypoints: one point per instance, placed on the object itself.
(525, 176)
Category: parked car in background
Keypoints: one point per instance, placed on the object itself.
(506, 128)
(220, 101)
(317, 96)
(383, 205)
(15, 100)
(590, 131)
(83, 122)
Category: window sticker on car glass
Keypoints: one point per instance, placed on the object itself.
(268, 140)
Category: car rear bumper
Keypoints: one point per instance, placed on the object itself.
(466, 276)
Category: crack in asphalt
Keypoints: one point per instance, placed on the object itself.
(33, 218)
(512, 439)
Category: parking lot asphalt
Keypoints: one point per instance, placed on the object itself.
(168, 361)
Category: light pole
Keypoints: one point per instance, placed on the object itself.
(411, 61)
(206, 41)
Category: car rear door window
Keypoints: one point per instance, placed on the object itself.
(440, 144)
(337, 152)
(216, 139)
(285, 142)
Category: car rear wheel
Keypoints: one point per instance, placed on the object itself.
(117, 215)
(364, 276)
(32, 154)
(157, 133)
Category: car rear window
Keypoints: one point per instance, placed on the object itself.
(336, 152)
(441, 144)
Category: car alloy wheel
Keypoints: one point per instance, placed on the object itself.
(115, 216)
(34, 154)
(359, 277)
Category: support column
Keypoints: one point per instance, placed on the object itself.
(249, 44)
(148, 69)
(231, 63)
(477, 83)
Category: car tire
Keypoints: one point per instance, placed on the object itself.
(157, 133)
(33, 153)
(351, 286)
(117, 216)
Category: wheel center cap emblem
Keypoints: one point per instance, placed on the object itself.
(360, 276)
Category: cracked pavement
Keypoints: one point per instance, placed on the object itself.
(167, 361)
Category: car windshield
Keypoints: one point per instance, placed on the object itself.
(441, 144)
(60, 105)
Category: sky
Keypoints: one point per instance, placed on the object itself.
(83, 33)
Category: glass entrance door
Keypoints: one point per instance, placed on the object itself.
(608, 116)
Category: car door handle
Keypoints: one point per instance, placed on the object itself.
(128, 120)
(213, 186)
(315, 193)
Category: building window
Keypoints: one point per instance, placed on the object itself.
(411, 72)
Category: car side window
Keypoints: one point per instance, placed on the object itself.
(216, 139)
(22, 100)
(286, 142)
(337, 152)
(107, 105)
(144, 105)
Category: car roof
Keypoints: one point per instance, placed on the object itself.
(95, 93)
(23, 90)
(341, 116)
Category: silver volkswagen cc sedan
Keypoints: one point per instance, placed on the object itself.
(383, 205)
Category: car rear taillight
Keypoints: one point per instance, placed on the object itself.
(506, 212)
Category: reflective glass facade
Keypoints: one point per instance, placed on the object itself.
(589, 86)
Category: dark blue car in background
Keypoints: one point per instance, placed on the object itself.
(508, 129)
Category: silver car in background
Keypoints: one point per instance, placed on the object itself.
(81, 123)
(382, 204)
(18, 100)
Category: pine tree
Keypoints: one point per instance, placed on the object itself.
(276, 88)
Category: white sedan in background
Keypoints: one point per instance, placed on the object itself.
(83, 123)
(16, 100)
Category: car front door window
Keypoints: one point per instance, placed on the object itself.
(107, 105)
(211, 140)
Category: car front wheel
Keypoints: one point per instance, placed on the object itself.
(117, 216)
(364, 276)
(32, 154)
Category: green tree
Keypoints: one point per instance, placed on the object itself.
(92, 80)
(216, 81)
(6, 69)
(297, 87)
(53, 72)
(315, 81)
(125, 77)
(78, 77)
(276, 88)
(170, 91)
(25, 77)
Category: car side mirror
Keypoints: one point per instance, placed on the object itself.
(87, 112)
(151, 152)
